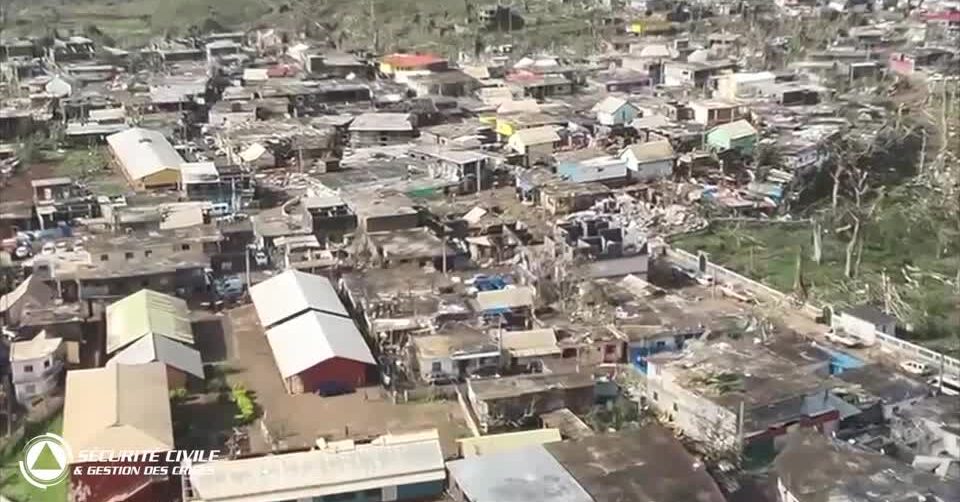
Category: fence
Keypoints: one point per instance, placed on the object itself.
(894, 345)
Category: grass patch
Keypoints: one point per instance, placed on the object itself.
(12, 484)
(912, 243)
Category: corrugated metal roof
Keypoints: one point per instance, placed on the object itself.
(34, 348)
(734, 130)
(147, 312)
(609, 105)
(531, 343)
(651, 151)
(153, 348)
(293, 292)
(521, 475)
(496, 443)
(312, 338)
(382, 121)
(521, 296)
(118, 408)
(388, 461)
(142, 152)
(536, 135)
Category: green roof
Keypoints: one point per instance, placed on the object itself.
(147, 312)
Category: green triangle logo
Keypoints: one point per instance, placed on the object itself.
(46, 460)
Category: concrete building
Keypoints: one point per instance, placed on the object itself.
(614, 111)
(649, 161)
(536, 144)
(515, 400)
(518, 475)
(381, 129)
(36, 366)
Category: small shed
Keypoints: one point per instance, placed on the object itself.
(739, 135)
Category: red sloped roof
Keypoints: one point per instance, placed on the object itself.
(412, 60)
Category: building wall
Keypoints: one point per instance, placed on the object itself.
(860, 328)
(337, 372)
(784, 494)
(359, 139)
(649, 170)
(166, 178)
(176, 379)
(492, 411)
(696, 416)
(624, 115)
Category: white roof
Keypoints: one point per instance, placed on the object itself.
(536, 135)
(650, 151)
(253, 152)
(107, 114)
(255, 74)
(292, 293)
(142, 152)
(737, 129)
(312, 338)
(609, 105)
(199, 172)
(390, 460)
(520, 296)
(530, 343)
(161, 349)
(655, 51)
(35, 348)
(382, 121)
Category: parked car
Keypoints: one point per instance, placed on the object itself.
(915, 368)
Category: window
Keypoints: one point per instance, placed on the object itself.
(104, 257)
(185, 247)
(373, 495)
(28, 368)
(340, 496)
(147, 253)
(128, 255)
(610, 349)
(656, 397)
(31, 389)
(676, 408)
(46, 364)
(436, 367)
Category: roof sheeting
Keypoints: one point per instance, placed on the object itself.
(519, 475)
(147, 312)
(118, 408)
(142, 152)
(536, 135)
(610, 105)
(153, 348)
(10, 299)
(312, 338)
(294, 292)
(507, 298)
(35, 348)
(382, 121)
(532, 343)
(737, 129)
(387, 461)
(651, 151)
(496, 443)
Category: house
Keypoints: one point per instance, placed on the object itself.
(453, 83)
(644, 465)
(514, 303)
(399, 65)
(467, 168)
(329, 216)
(814, 468)
(320, 352)
(650, 161)
(517, 475)
(879, 393)
(398, 467)
(496, 443)
(739, 136)
(148, 326)
(340, 65)
(381, 129)
(119, 409)
(516, 400)
(865, 322)
(695, 74)
(536, 144)
(727, 389)
(36, 366)
(715, 112)
(146, 159)
(614, 111)
(416, 245)
(528, 348)
(591, 165)
(291, 294)
(455, 352)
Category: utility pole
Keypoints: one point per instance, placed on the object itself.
(373, 27)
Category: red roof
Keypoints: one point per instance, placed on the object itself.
(412, 60)
(280, 71)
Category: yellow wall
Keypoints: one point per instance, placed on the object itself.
(386, 69)
(649, 26)
(166, 177)
(505, 127)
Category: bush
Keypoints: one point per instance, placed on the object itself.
(246, 409)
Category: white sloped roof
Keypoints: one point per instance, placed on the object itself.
(162, 349)
(312, 338)
(142, 152)
(520, 296)
(737, 129)
(292, 293)
(390, 460)
(609, 105)
(651, 151)
(536, 135)
(530, 343)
